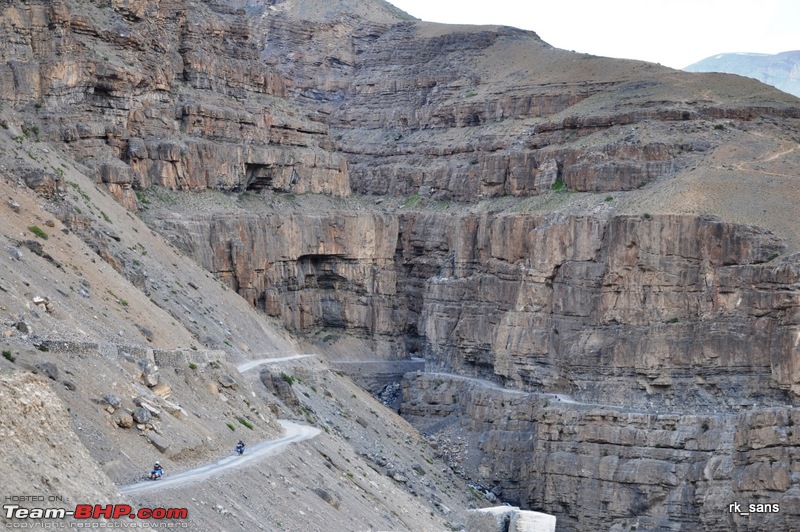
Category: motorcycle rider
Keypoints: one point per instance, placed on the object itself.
(240, 447)
(157, 470)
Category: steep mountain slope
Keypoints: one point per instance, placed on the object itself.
(614, 232)
(135, 349)
(781, 70)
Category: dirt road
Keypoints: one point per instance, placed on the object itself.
(294, 433)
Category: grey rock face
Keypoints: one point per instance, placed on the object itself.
(159, 442)
(48, 369)
(549, 453)
(112, 400)
(226, 381)
(278, 385)
(327, 497)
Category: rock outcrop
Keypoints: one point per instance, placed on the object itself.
(651, 313)
(663, 329)
(598, 466)
(509, 519)
(164, 93)
(665, 308)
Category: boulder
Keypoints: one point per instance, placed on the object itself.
(274, 381)
(327, 497)
(226, 381)
(158, 441)
(147, 406)
(44, 182)
(142, 415)
(112, 400)
(124, 420)
(48, 369)
(149, 372)
(162, 390)
(527, 521)
(495, 519)
(175, 410)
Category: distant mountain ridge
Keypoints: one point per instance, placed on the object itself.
(781, 70)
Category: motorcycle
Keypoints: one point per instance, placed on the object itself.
(156, 474)
(239, 449)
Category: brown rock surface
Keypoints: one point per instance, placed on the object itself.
(612, 466)
(35, 423)
(658, 286)
(657, 301)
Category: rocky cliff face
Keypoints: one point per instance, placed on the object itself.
(312, 270)
(688, 326)
(553, 222)
(162, 93)
(664, 308)
(601, 467)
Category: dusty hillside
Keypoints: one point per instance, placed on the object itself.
(194, 186)
(112, 318)
(168, 342)
(779, 70)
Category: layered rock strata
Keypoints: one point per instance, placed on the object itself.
(658, 313)
(680, 330)
(600, 467)
(667, 309)
(163, 93)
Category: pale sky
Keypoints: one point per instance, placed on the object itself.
(675, 33)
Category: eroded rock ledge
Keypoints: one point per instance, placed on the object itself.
(665, 309)
(685, 320)
(600, 466)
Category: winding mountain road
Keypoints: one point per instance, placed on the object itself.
(294, 433)
(247, 366)
(560, 397)
(482, 382)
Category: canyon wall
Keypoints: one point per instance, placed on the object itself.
(632, 314)
(665, 309)
(602, 467)
(162, 93)
(673, 337)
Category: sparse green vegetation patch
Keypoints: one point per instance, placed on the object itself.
(412, 201)
(559, 185)
(79, 190)
(36, 230)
